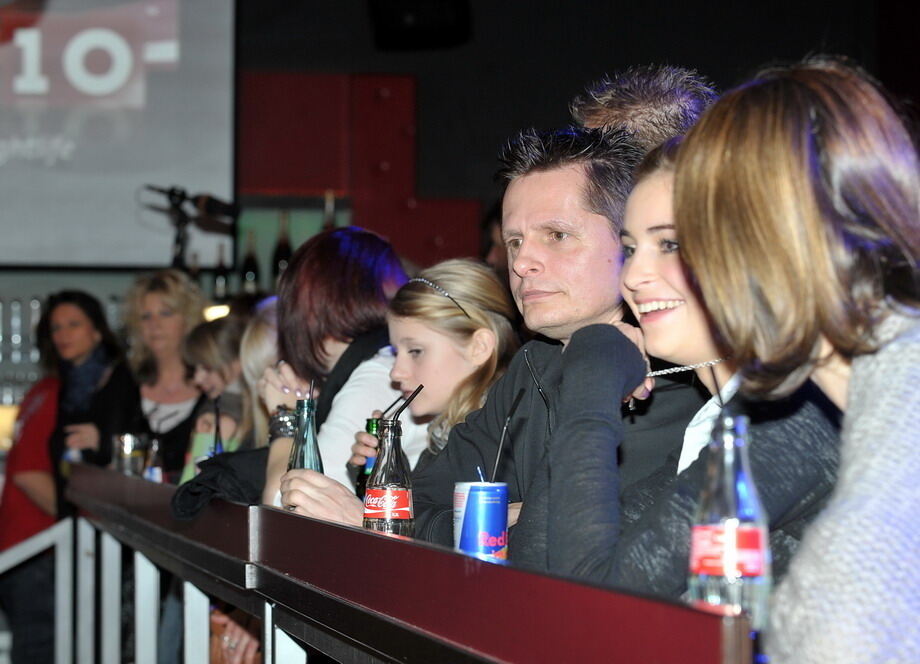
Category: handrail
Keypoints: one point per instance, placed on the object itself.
(360, 596)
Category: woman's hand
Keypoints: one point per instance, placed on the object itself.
(280, 386)
(82, 436)
(365, 446)
(237, 644)
(634, 334)
(313, 494)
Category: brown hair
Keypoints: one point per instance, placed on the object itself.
(336, 286)
(178, 293)
(215, 345)
(652, 103)
(796, 200)
(477, 300)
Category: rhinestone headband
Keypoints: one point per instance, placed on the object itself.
(433, 286)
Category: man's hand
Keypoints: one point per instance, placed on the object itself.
(514, 511)
(82, 436)
(313, 494)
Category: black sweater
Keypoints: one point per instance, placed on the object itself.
(537, 369)
(641, 541)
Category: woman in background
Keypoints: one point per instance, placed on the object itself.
(213, 350)
(452, 330)
(258, 352)
(161, 309)
(98, 397)
(797, 200)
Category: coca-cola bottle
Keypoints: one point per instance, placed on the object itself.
(730, 549)
(305, 450)
(388, 496)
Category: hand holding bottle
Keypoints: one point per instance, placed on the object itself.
(365, 445)
(312, 494)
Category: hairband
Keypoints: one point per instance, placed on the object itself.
(439, 290)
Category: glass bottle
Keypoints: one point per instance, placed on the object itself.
(305, 450)
(281, 255)
(730, 549)
(153, 469)
(249, 270)
(329, 210)
(221, 291)
(388, 497)
(372, 426)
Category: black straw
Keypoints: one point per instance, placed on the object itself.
(501, 441)
(406, 403)
(390, 407)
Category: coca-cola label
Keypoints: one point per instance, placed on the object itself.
(388, 504)
(719, 551)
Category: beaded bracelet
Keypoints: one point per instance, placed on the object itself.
(281, 423)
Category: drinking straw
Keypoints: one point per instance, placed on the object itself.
(501, 441)
(482, 475)
(406, 403)
(390, 407)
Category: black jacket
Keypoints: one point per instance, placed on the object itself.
(641, 541)
(652, 432)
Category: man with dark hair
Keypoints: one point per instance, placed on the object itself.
(561, 214)
(652, 102)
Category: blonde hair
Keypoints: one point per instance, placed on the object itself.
(796, 202)
(478, 300)
(179, 293)
(259, 350)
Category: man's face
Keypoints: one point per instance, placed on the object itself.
(564, 261)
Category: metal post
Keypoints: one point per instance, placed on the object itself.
(146, 609)
(268, 633)
(110, 572)
(86, 592)
(196, 610)
(63, 595)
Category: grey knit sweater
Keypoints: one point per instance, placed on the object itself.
(852, 593)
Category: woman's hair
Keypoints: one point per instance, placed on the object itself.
(90, 306)
(660, 159)
(179, 293)
(456, 298)
(259, 350)
(796, 200)
(336, 286)
(215, 345)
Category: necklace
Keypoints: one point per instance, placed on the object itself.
(689, 367)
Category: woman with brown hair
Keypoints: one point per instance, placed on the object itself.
(797, 199)
(332, 303)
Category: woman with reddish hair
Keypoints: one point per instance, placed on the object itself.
(332, 304)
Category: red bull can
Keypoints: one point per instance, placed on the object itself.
(481, 520)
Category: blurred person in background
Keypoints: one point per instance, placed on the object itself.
(161, 309)
(27, 507)
(98, 397)
(212, 348)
